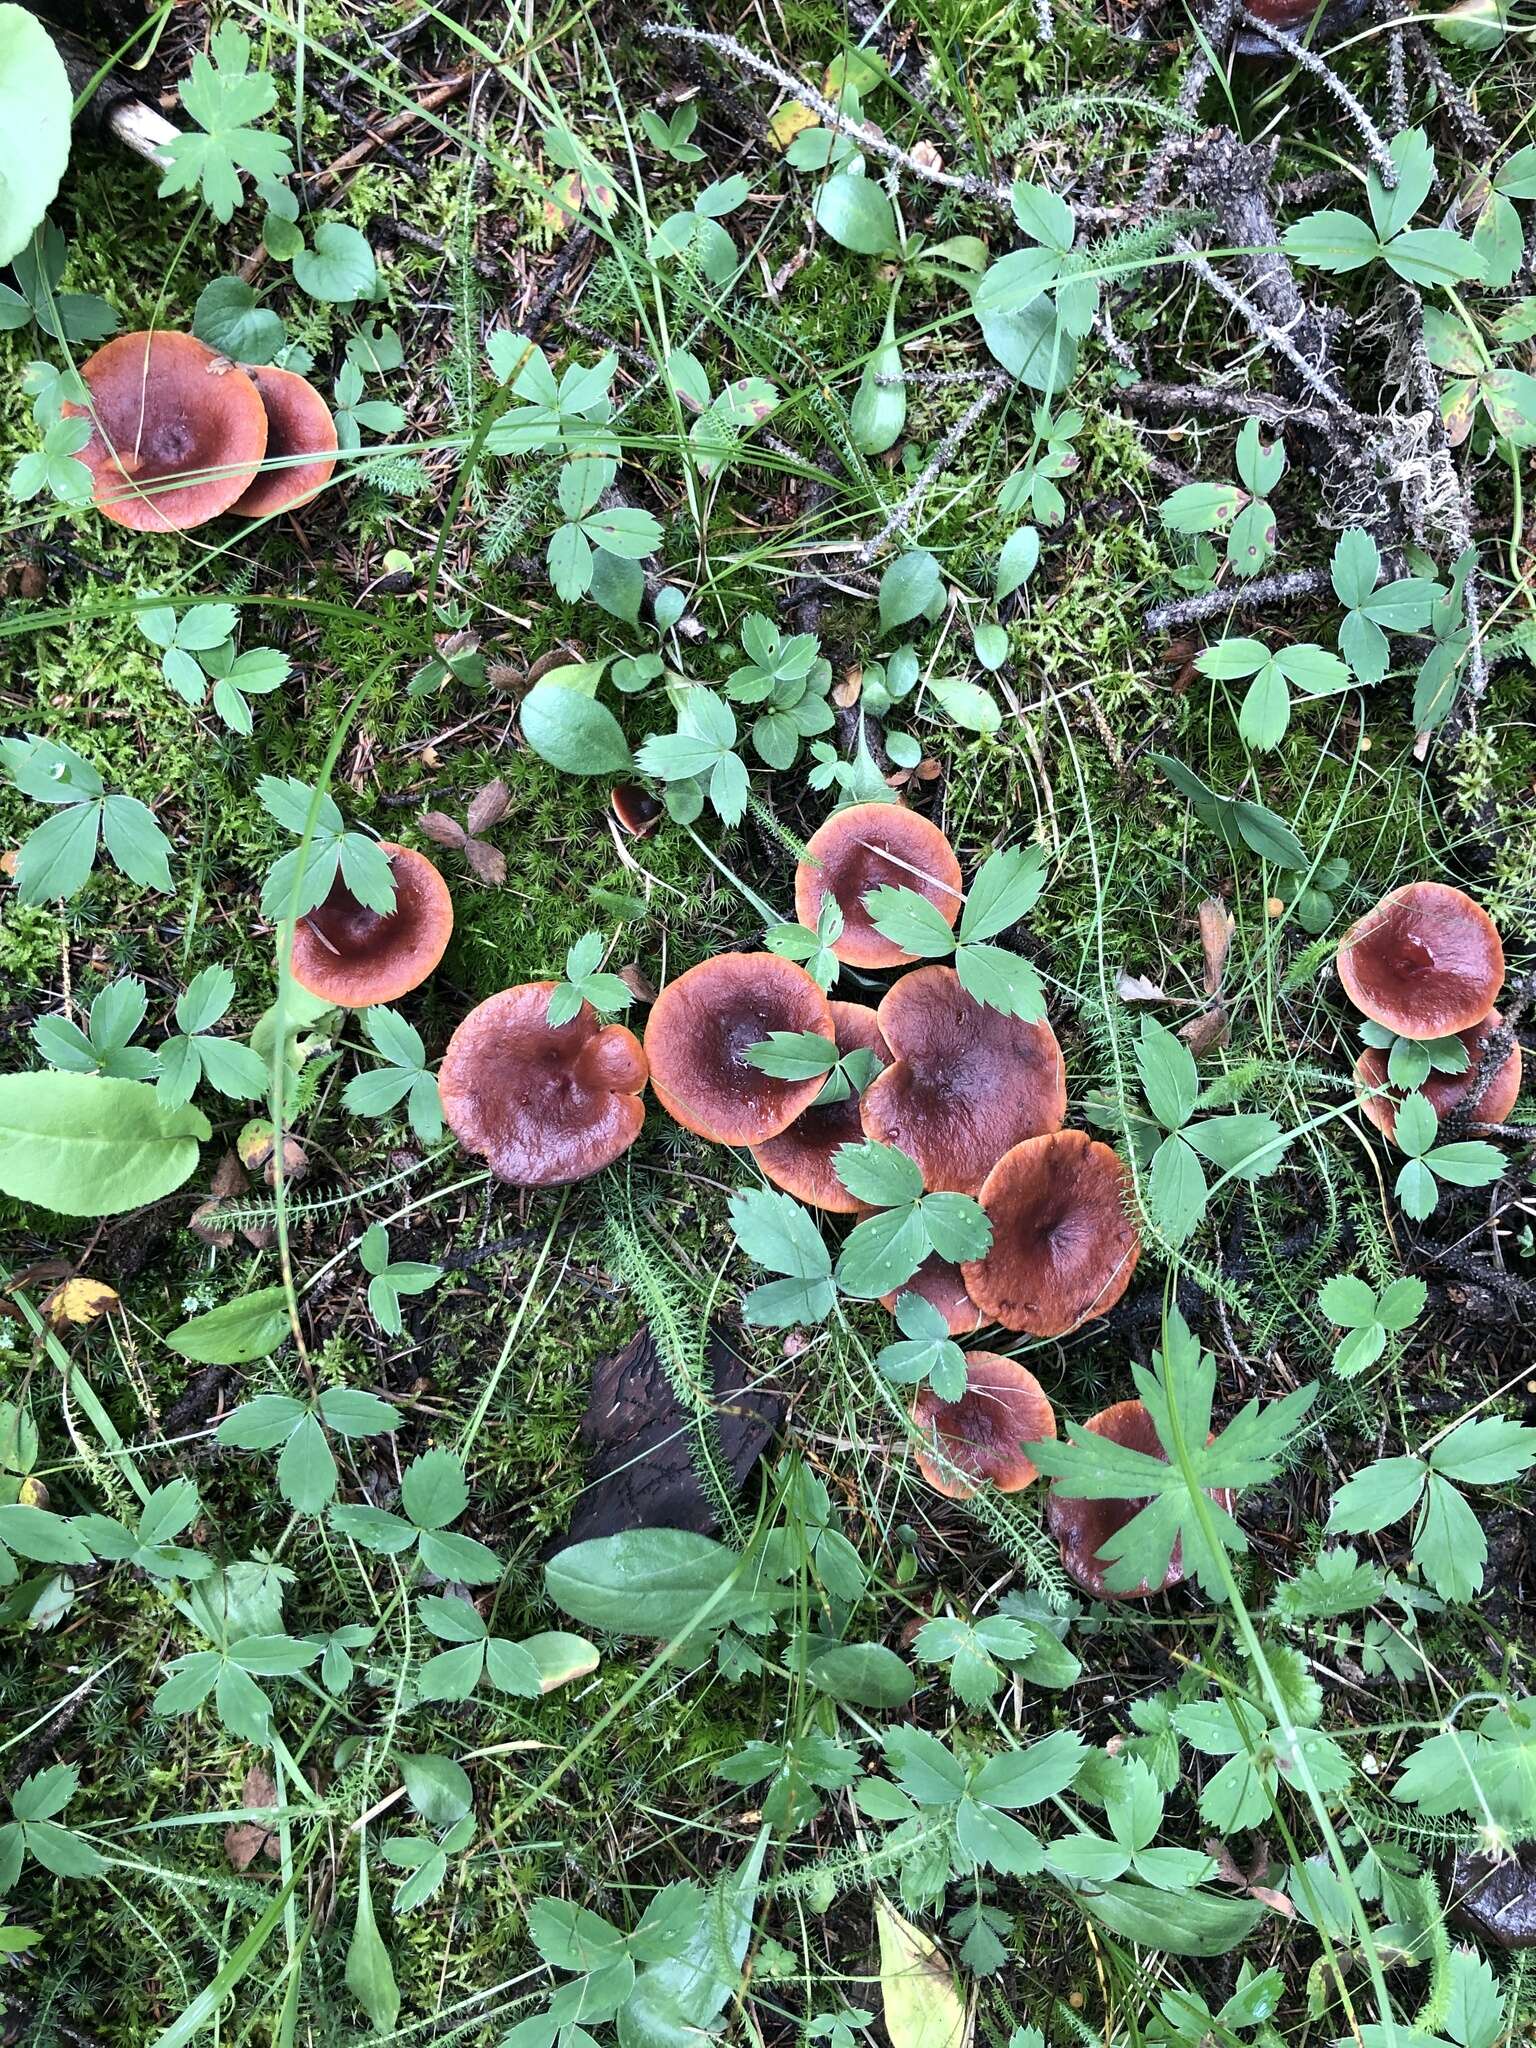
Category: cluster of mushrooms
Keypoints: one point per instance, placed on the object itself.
(181, 435)
(977, 1097)
(1428, 963)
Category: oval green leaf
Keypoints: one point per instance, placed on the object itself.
(35, 102)
(235, 1331)
(574, 733)
(85, 1146)
(864, 1674)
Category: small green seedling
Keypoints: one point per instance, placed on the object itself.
(1369, 1318)
(1239, 510)
(391, 1280)
(1466, 1163)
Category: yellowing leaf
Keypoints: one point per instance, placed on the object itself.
(561, 1658)
(790, 120)
(922, 2004)
(863, 69)
(79, 1301)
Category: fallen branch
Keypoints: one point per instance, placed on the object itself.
(379, 138)
(1263, 593)
(1148, 396)
(1309, 61)
(1265, 330)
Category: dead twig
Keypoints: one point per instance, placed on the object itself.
(868, 139)
(1309, 61)
(1263, 593)
(937, 463)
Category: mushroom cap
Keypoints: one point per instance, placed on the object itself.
(1444, 1091)
(851, 849)
(165, 407)
(298, 423)
(1426, 962)
(942, 1286)
(1083, 1527)
(1003, 1407)
(698, 1034)
(1064, 1245)
(542, 1103)
(965, 1083)
(638, 812)
(799, 1160)
(347, 954)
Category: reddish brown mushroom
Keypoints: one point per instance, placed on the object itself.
(873, 846)
(965, 1082)
(981, 1436)
(799, 1160)
(637, 811)
(700, 1030)
(177, 433)
(1426, 962)
(345, 953)
(542, 1103)
(1064, 1246)
(942, 1286)
(1083, 1527)
(301, 445)
(1444, 1091)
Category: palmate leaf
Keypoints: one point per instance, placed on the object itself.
(224, 96)
(776, 1232)
(1178, 1393)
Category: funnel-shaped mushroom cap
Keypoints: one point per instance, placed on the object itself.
(875, 846)
(177, 432)
(1083, 1527)
(1426, 962)
(942, 1286)
(345, 953)
(543, 1103)
(965, 1083)
(700, 1030)
(1063, 1243)
(799, 1160)
(981, 1435)
(1444, 1091)
(299, 423)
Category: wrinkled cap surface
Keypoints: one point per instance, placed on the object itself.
(299, 424)
(1443, 1092)
(541, 1103)
(1064, 1246)
(942, 1286)
(345, 953)
(1082, 1527)
(965, 1083)
(874, 846)
(799, 1160)
(978, 1439)
(700, 1029)
(1426, 962)
(177, 432)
